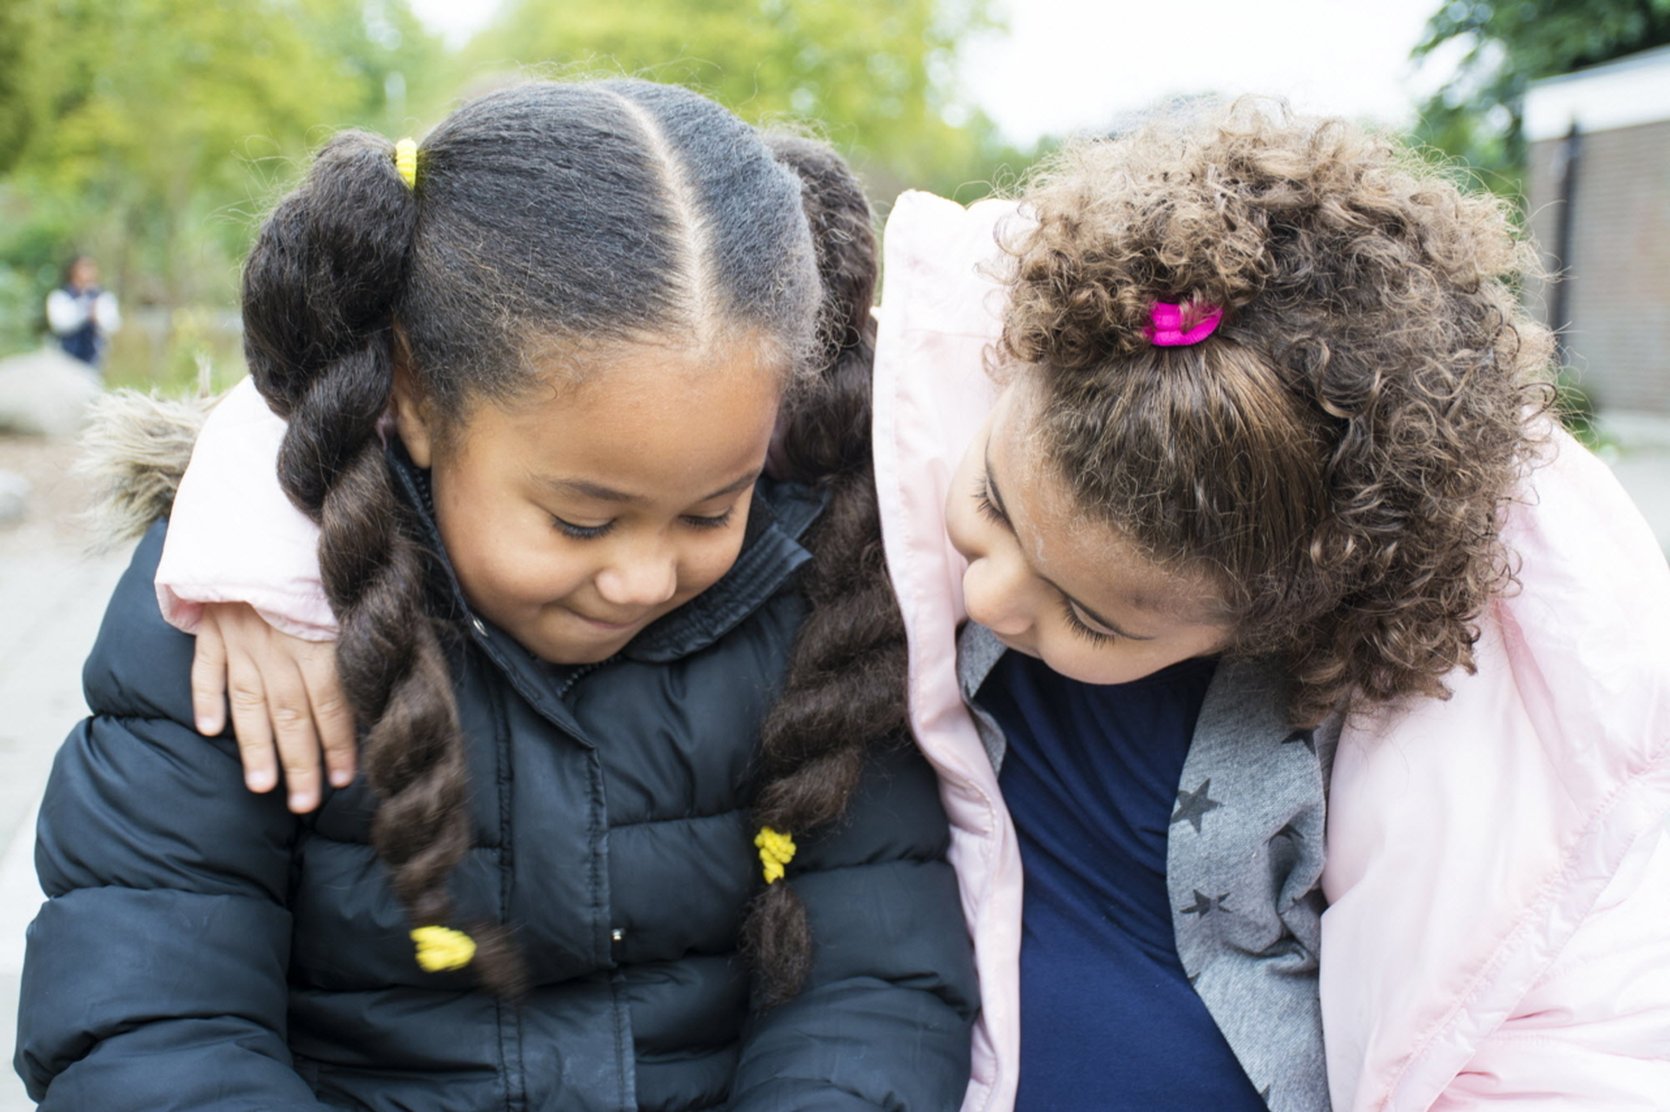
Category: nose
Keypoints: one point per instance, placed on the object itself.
(995, 593)
(639, 579)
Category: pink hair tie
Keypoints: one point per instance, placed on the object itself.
(1181, 325)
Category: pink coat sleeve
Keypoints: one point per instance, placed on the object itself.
(1498, 869)
(1594, 1031)
(233, 536)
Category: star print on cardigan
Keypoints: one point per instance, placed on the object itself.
(1192, 806)
(1288, 831)
(1204, 905)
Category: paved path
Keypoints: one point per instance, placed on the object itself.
(52, 598)
(52, 604)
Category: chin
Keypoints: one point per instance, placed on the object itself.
(583, 654)
(1024, 650)
(563, 646)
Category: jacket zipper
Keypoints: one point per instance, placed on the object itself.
(581, 673)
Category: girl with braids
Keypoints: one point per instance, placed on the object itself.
(528, 375)
(1264, 531)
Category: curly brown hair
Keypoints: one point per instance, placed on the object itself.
(1336, 455)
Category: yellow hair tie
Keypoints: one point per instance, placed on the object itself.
(442, 948)
(405, 162)
(776, 850)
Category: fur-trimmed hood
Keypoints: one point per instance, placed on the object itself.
(133, 452)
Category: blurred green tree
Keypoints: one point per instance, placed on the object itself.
(148, 132)
(153, 133)
(1506, 45)
(878, 76)
(17, 109)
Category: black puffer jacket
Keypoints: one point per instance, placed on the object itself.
(204, 949)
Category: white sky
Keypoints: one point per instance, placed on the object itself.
(1074, 64)
(1066, 65)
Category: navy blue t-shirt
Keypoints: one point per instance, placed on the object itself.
(1108, 1017)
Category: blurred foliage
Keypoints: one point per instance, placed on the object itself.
(150, 134)
(1506, 45)
(153, 134)
(1576, 410)
(878, 76)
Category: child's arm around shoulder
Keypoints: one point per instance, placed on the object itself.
(886, 1015)
(1508, 946)
(155, 973)
(1594, 1031)
(240, 569)
(234, 536)
(1591, 637)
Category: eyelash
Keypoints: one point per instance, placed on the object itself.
(592, 532)
(983, 502)
(989, 510)
(580, 532)
(717, 521)
(1076, 624)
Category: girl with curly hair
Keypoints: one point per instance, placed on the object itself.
(615, 846)
(1267, 542)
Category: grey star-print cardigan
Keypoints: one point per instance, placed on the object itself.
(1243, 866)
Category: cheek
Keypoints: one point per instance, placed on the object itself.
(970, 533)
(957, 531)
(964, 525)
(701, 569)
(503, 549)
(1122, 661)
(705, 558)
(1068, 656)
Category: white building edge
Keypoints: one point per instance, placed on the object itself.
(1625, 93)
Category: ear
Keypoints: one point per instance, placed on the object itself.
(414, 417)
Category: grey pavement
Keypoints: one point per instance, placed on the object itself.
(1647, 478)
(51, 601)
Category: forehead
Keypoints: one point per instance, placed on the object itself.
(652, 419)
(1071, 545)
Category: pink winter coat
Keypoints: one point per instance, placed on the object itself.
(1498, 864)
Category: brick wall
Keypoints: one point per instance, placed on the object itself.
(1618, 275)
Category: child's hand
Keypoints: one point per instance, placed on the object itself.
(280, 687)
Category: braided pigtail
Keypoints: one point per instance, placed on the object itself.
(320, 289)
(845, 688)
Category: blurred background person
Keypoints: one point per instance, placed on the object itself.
(81, 314)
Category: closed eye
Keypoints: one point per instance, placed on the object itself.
(989, 509)
(1077, 625)
(581, 532)
(717, 521)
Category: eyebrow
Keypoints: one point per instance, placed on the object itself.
(997, 500)
(597, 491)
